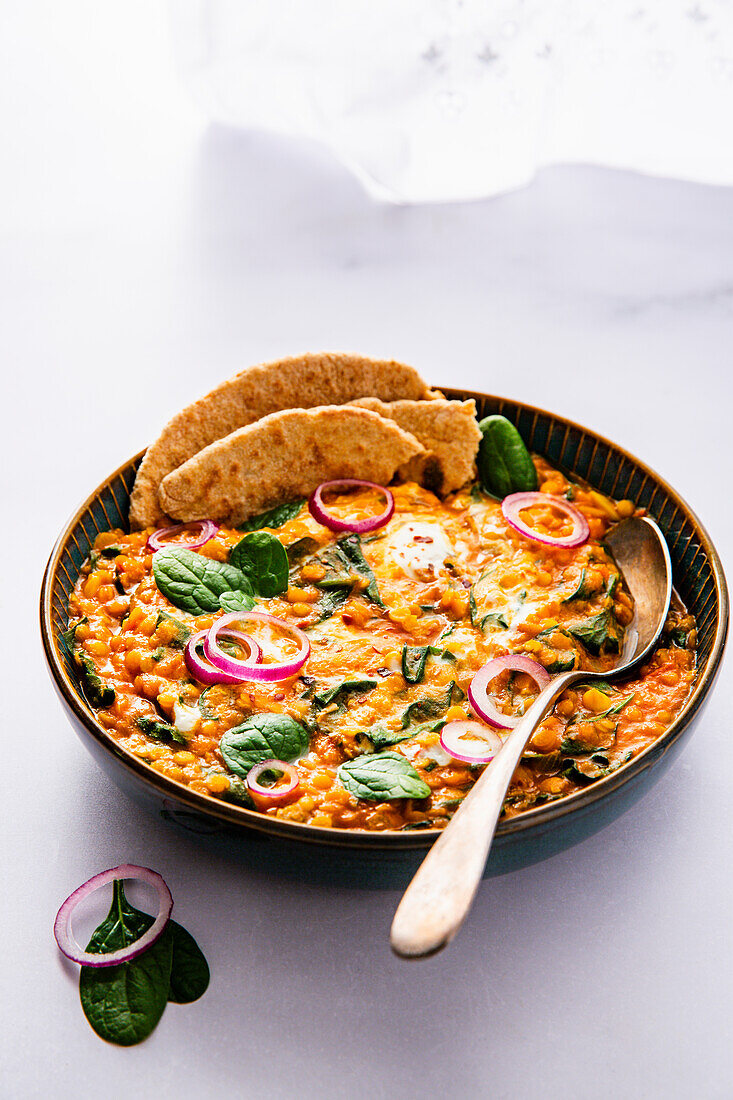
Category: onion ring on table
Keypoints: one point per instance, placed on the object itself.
(208, 530)
(62, 925)
(514, 504)
(248, 670)
(478, 688)
(320, 512)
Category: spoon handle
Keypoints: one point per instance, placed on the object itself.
(437, 900)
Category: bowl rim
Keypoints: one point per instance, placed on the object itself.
(529, 821)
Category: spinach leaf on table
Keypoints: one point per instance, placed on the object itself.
(189, 968)
(263, 737)
(382, 777)
(274, 517)
(194, 583)
(264, 562)
(124, 1003)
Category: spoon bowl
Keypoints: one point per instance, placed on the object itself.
(439, 897)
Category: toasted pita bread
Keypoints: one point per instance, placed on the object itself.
(299, 382)
(284, 456)
(447, 430)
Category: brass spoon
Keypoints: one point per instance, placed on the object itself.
(439, 897)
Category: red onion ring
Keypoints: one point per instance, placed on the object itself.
(512, 505)
(62, 925)
(451, 739)
(320, 513)
(478, 688)
(248, 670)
(207, 673)
(270, 796)
(208, 530)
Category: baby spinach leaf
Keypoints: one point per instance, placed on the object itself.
(414, 659)
(380, 738)
(339, 693)
(262, 558)
(345, 563)
(301, 548)
(382, 777)
(124, 1003)
(350, 547)
(194, 583)
(597, 633)
(584, 737)
(504, 463)
(97, 692)
(274, 517)
(481, 619)
(69, 635)
(161, 731)
(111, 551)
(582, 590)
(236, 601)
(237, 793)
(182, 633)
(676, 637)
(330, 602)
(189, 969)
(425, 710)
(262, 737)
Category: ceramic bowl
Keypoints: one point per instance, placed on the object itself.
(579, 452)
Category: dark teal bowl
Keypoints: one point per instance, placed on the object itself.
(698, 578)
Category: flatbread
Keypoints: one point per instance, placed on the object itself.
(447, 430)
(282, 457)
(300, 382)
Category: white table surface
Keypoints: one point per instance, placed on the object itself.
(144, 257)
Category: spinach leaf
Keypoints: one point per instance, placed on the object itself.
(345, 564)
(481, 620)
(97, 692)
(340, 692)
(380, 738)
(194, 583)
(301, 548)
(331, 601)
(236, 601)
(584, 737)
(424, 710)
(582, 591)
(414, 659)
(262, 558)
(182, 633)
(382, 778)
(161, 731)
(124, 1003)
(189, 969)
(504, 463)
(676, 637)
(237, 793)
(597, 633)
(262, 737)
(69, 635)
(111, 551)
(274, 517)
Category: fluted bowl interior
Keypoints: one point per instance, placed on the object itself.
(579, 452)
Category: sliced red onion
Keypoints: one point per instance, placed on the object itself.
(248, 670)
(207, 673)
(319, 511)
(62, 926)
(273, 796)
(471, 742)
(478, 688)
(514, 504)
(208, 530)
